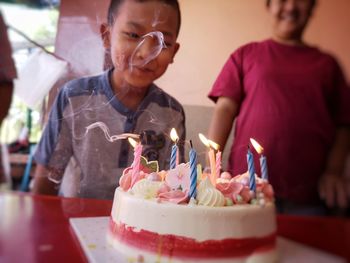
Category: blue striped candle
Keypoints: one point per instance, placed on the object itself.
(251, 170)
(173, 156)
(263, 167)
(193, 171)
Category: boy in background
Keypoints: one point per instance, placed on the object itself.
(141, 39)
(293, 99)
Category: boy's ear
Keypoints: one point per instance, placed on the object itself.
(105, 35)
(176, 48)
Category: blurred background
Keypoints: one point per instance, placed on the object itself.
(68, 30)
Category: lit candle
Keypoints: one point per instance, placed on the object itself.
(137, 160)
(217, 171)
(211, 155)
(263, 164)
(173, 156)
(217, 159)
(193, 175)
(251, 170)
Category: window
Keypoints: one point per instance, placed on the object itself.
(39, 25)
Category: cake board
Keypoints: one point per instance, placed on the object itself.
(92, 235)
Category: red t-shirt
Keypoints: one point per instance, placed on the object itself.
(290, 100)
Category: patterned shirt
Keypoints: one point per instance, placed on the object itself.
(86, 101)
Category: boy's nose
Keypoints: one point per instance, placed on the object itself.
(149, 46)
(292, 4)
(148, 49)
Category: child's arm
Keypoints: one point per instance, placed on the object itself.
(220, 126)
(333, 187)
(42, 185)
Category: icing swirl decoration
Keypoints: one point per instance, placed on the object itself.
(208, 195)
(146, 189)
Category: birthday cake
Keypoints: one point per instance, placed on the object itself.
(169, 216)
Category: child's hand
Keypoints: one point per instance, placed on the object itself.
(334, 190)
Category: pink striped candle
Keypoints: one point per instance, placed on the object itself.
(218, 164)
(136, 163)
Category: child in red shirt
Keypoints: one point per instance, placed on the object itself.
(293, 99)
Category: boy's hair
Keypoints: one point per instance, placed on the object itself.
(115, 4)
(313, 3)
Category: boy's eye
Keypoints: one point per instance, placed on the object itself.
(168, 42)
(132, 35)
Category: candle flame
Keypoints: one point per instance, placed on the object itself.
(214, 145)
(208, 143)
(257, 146)
(132, 142)
(204, 140)
(173, 135)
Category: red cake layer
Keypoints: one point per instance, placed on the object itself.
(183, 247)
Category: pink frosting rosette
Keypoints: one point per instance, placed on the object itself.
(229, 188)
(155, 177)
(176, 186)
(174, 196)
(125, 179)
(243, 197)
(226, 176)
(179, 177)
(242, 178)
(265, 188)
(236, 191)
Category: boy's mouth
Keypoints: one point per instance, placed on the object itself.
(290, 17)
(142, 70)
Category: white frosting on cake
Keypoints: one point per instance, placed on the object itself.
(157, 220)
(208, 195)
(239, 221)
(146, 189)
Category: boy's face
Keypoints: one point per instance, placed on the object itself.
(138, 55)
(290, 17)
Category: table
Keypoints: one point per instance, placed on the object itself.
(35, 228)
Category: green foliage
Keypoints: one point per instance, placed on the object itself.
(48, 30)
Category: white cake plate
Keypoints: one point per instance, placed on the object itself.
(92, 235)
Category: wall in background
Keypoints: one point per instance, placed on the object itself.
(211, 30)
